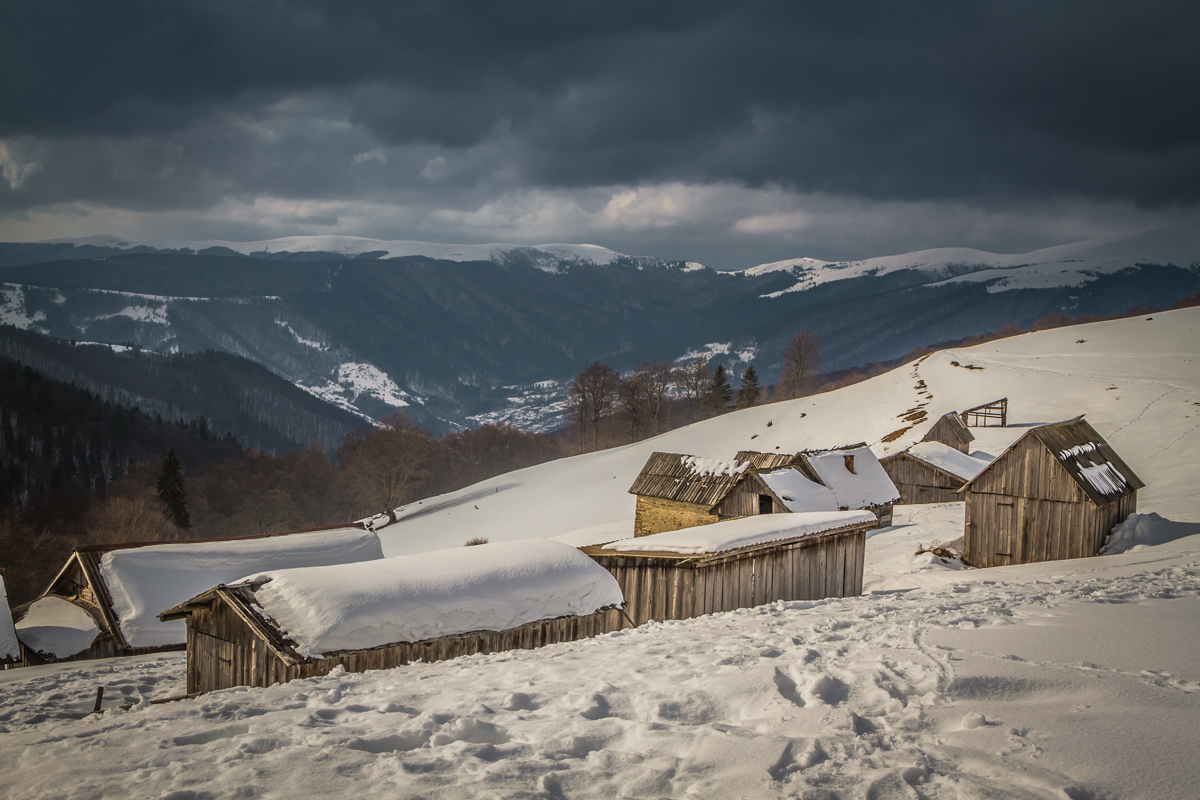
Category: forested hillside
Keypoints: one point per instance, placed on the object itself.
(234, 394)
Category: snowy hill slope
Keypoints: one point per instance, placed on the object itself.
(1137, 380)
(1069, 679)
(1064, 265)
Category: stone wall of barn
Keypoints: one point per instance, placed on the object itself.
(655, 515)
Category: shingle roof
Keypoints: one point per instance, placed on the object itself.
(765, 461)
(688, 479)
(1089, 460)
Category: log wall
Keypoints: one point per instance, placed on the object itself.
(742, 500)
(225, 651)
(662, 588)
(919, 483)
(1003, 530)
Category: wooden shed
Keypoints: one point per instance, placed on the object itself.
(120, 588)
(931, 472)
(738, 564)
(428, 607)
(951, 431)
(677, 491)
(1055, 493)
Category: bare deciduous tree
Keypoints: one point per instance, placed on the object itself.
(592, 396)
(803, 360)
(695, 381)
(386, 467)
(656, 378)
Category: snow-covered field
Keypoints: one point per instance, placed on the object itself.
(1066, 680)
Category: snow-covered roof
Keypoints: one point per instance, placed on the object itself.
(797, 492)
(490, 587)
(58, 627)
(854, 475)
(744, 532)
(143, 581)
(9, 648)
(948, 459)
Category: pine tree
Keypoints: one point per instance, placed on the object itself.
(171, 492)
(748, 395)
(720, 391)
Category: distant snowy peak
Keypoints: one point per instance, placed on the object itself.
(549, 254)
(1063, 265)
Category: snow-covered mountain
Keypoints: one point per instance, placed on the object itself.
(459, 335)
(549, 256)
(1064, 265)
(1069, 679)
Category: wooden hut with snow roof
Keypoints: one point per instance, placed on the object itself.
(951, 431)
(855, 477)
(931, 472)
(1055, 493)
(282, 625)
(104, 600)
(738, 563)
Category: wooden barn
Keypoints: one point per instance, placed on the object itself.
(676, 491)
(738, 564)
(950, 430)
(1055, 493)
(930, 472)
(103, 601)
(389, 613)
(988, 415)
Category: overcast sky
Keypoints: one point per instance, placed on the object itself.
(728, 133)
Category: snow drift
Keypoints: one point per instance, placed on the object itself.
(58, 627)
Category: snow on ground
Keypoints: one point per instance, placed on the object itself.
(1071, 679)
(1063, 265)
(1001, 683)
(1137, 381)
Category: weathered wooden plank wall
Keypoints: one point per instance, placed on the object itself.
(663, 588)
(919, 482)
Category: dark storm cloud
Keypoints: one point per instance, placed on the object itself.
(145, 104)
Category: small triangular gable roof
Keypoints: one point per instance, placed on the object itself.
(949, 423)
(1085, 455)
(688, 479)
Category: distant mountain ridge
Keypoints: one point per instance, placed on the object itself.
(1063, 265)
(458, 335)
